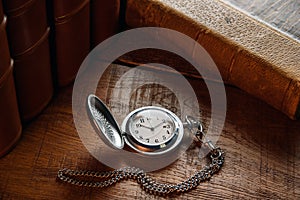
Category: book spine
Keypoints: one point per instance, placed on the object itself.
(104, 20)
(241, 59)
(71, 26)
(34, 79)
(65, 8)
(10, 124)
(4, 50)
(1, 12)
(15, 5)
(26, 25)
(28, 32)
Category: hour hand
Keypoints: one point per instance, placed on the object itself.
(146, 127)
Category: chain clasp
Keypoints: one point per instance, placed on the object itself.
(197, 129)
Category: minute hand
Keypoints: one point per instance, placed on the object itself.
(158, 125)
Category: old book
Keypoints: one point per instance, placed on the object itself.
(65, 8)
(1, 12)
(71, 25)
(33, 79)
(27, 33)
(248, 53)
(282, 15)
(104, 20)
(26, 24)
(4, 50)
(10, 124)
(11, 5)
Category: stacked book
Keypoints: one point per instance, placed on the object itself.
(10, 124)
(28, 33)
(70, 22)
(43, 44)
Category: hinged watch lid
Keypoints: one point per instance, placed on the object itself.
(104, 123)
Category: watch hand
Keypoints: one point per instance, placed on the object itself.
(146, 127)
(158, 125)
(148, 120)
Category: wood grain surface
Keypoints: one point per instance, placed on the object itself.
(282, 14)
(262, 150)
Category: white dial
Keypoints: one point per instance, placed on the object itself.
(152, 127)
(152, 130)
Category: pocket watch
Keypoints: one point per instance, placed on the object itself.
(149, 130)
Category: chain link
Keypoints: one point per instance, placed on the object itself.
(145, 181)
(76, 177)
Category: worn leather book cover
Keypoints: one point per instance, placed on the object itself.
(104, 20)
(65, 8)
(33, 79)
(1, 12)
(10, 124)
(27, 34)
(13, 5)
(249, 54)
(26, 24)
(71, 26)
(4, 50)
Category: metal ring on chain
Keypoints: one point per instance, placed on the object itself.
(144, 180)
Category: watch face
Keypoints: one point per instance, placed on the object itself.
(152, 129)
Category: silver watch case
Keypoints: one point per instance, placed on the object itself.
(108, 129)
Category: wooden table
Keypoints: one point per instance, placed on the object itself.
(262, 153)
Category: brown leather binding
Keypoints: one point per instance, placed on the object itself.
(10, 125)
(26, 25)
(11, 6)
(72, 37)
(4, 50)
(66, 8)
(104, 19)
(249, 54)
(1, 12)
(33, 79)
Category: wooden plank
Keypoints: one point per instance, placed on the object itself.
(262, 152)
